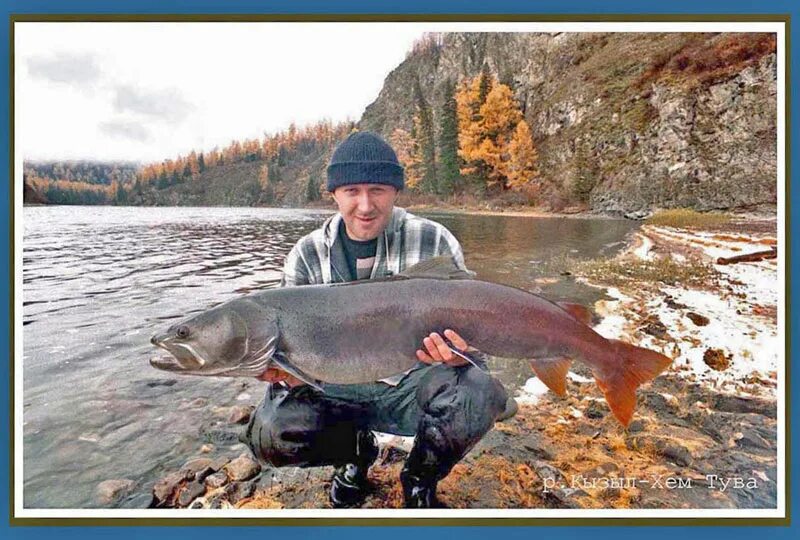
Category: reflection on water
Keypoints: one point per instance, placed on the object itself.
(99, 281)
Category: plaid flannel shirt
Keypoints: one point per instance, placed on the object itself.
(319, 258)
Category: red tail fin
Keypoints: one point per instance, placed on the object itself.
(632, 366)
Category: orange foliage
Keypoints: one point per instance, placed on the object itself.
(493, 137)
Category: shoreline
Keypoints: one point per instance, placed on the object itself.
(478, 210)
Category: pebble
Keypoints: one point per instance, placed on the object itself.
(240, 414)
(218, 479)
(716, 359)
(697, 319)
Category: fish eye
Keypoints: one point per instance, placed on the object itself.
(182, 332)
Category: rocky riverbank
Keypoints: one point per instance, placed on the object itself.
(704, 435)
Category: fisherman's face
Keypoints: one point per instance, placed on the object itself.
(365, 208)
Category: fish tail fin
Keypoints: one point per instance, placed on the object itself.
(632, 366)
(553, 373)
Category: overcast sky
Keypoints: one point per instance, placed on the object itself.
(149, 91)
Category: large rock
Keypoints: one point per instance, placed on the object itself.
(242, 468)
(110, 491)
(165, 489)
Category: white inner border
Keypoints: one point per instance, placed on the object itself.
(779, 512)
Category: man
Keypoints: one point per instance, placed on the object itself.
(448, 403)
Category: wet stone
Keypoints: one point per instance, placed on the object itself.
(198, 468)
(141, 500)
(190, 492)
(109, 491)
(240, 414)
(216, 480)
(165, 488)
(236, 491)
(242, 468)
(199, 504)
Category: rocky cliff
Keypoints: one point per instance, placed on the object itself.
(639, 120)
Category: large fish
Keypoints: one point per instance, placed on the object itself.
(365, 331)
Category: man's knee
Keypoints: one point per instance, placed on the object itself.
(298, 427)
(479, 397)
(282, 426)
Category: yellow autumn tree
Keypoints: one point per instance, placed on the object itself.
(408, 154)
(486, 128)
(470, 128)
(522, 157)
(500, 116)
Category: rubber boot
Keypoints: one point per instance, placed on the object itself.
(349, 485)
(430, 460)
(419, 492)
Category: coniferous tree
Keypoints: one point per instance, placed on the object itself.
(423, 124)
(312, 188)
(449, 175)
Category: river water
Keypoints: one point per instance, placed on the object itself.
(99, 281)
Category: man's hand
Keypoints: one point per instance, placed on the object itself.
(439, 351)
(275, 375)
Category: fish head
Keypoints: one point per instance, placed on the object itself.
(227, 340)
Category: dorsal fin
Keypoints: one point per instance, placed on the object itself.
(579, 312)
(443, 267)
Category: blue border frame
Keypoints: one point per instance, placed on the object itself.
(408, 6)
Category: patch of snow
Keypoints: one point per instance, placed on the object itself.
(734, 309)
(577, 378)
(643, 250)
(530, 393)
(399, 441)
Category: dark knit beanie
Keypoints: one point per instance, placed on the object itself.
(364, 158)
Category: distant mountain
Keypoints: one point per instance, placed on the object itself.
(628, 121)
(621, 122)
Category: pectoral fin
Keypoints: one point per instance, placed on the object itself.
(467, 357)
(283, 363)
(553, 373)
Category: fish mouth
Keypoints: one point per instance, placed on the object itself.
(184, 357)
(166, 363)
